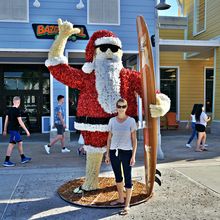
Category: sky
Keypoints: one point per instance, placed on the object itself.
(172, 11)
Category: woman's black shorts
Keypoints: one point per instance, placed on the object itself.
(200, 128)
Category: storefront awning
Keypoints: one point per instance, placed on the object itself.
(194, 48)
(23, 56)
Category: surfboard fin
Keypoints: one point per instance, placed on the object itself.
(157, 180)
(158, 172)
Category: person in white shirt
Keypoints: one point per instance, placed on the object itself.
(121, 149)
(193, 126)
(201, 123)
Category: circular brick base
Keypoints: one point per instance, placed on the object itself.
(102, 197)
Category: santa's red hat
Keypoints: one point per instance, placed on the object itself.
(98, 38)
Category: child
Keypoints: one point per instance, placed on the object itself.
(12, 122)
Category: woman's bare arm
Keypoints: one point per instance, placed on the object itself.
(107, 159)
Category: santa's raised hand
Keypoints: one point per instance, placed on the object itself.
(66, 28)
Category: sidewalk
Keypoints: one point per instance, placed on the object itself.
(190, 183)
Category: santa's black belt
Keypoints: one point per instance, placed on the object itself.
(95, 121)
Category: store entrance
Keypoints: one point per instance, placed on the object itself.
(32, 84)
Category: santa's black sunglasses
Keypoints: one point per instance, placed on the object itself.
(105, 47)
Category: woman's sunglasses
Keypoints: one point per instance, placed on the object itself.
(105, 47)
(122, 106)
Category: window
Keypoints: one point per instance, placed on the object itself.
(168, 85)
(209, 89)
(73, 97)
(73, 101)
(14, 10)
(46, 93)
(199, 23)
(103, 12)
(21, 81)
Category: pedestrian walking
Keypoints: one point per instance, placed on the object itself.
(193, 126)
(201, 123)
(121, 150)
(59, 123)
(12, 123)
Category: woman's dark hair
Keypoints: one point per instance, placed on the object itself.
(122, 100)
(198, 111)
(194, 109)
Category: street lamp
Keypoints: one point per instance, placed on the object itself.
(162, 5)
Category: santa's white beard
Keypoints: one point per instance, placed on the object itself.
(108, 83)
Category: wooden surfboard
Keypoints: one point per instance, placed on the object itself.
(148, 97)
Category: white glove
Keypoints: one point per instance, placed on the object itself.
(162, 106)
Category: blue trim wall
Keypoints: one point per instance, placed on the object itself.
(21, 35)
(1, 125)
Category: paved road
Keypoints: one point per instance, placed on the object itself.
(190, 183)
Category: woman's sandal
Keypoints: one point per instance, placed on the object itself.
(199, 150)
(125, 211)
(116, 202)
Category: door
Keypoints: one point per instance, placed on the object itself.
(32, 84)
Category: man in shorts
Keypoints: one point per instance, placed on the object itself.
(59, 123)
(13, 121)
